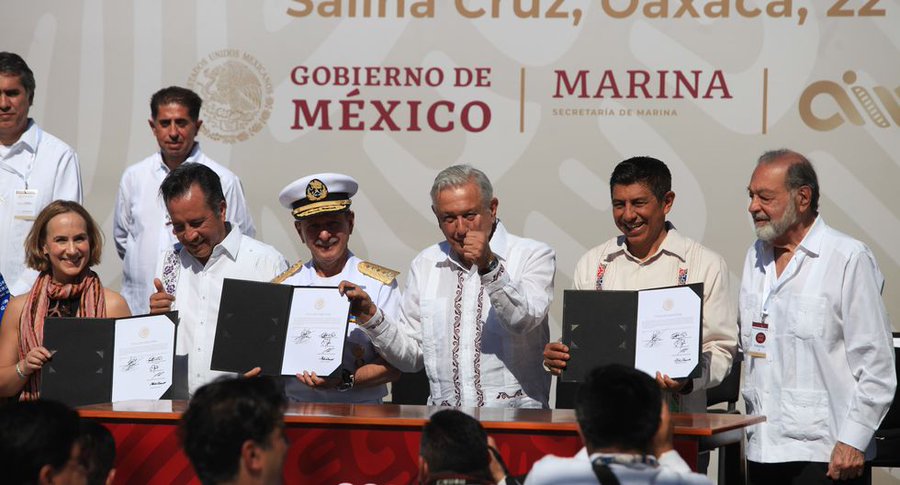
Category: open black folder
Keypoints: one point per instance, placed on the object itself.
(81, 370)
(254, 321)
(601, 327)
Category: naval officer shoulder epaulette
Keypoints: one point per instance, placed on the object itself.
(376, 272)
(288, 272)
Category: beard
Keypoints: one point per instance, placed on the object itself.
(775, 229)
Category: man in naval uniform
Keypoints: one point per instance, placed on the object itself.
(320, 204)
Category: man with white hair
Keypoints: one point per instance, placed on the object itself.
(320, 204)
(821, 365)
(474, 310)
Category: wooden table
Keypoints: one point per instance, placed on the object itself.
(361, 444)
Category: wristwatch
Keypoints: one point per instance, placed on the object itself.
(491, 266)
(347, 379)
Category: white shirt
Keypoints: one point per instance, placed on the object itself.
(828, 374)
(480, 338)
(385, 296)
(38, 161)
(679, 260)
(671, 469)
(199, 290)
(140, 221)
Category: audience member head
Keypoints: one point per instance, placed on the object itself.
(97, 453)
(454, 444)
(39, 443)
(233, 431)
(193, 196)
(64, 239)
(618, 410)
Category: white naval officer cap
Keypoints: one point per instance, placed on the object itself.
(318, 193)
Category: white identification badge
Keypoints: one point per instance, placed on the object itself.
(759, 340)
(25, 204)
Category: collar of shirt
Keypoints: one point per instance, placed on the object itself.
(811, 245)
(673, 244)
(192, 157)
(497, 243)
(28, 141)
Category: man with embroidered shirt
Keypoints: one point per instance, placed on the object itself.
(36, 168)
(474, 310)
(140, 220)
(821, 366)
(191, 275)
(651, 253)
(320, 204)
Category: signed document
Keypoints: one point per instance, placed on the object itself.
(657, 329)
(98, 360)
(316, 331)
(667, 331)
(281, 329)
(143, 358)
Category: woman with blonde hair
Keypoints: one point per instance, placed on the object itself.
(63, 244)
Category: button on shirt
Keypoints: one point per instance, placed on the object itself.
(480, 338)
(199, 290)
(39, 161)
(140, 221)
(679, 260)
(828, 374)
(386, 297)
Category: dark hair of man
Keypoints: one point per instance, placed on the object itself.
(11, 64)
(618, 407)
(179, 182)
(223, 415)
(454, 442)
(643, 170)
(97, 451)
(178, 95)
(34, 434)
(799, 173)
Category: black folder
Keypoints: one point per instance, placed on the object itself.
(81, 370)
(600, 328)
(252, 326)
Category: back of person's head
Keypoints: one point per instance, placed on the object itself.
(177, 95)
(652, 173)
(455, 443)
(37, 439)
(180, 180)
(618, 408)
(225, 414)
(97, 452)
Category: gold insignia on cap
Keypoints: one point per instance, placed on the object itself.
(316, 190)
(288, 272)
(384, 275)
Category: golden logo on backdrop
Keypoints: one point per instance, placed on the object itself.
(237, 95)
(826, 105)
